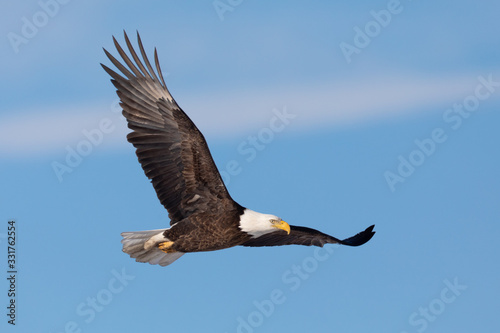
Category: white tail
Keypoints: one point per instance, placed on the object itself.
(141, 245)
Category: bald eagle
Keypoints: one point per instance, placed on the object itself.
(175, 157)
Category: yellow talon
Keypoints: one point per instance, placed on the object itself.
(166, 247)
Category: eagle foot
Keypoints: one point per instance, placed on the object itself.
(166, 247)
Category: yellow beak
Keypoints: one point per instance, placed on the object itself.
(283, 226)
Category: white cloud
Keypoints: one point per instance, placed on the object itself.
(50, 130)
(333, 104)
(223, 115)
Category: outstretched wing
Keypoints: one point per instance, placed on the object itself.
(308, 236)
(171, 150)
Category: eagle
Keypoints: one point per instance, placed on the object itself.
(175, 156)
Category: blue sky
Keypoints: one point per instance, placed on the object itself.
(402, 134)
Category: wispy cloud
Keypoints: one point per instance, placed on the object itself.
(48, 131)
(222, 114)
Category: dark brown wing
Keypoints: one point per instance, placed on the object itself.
(308, 236)
(171, 150)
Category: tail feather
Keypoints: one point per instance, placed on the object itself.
(141, 245)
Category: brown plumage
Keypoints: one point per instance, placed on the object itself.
(174, 155)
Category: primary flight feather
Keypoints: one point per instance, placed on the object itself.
(174, 155)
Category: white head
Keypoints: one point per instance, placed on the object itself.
(257, 224)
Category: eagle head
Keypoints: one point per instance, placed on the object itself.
(258, 224)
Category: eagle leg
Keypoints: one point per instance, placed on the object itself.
(166, 247)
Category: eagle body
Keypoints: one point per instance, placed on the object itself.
(208, 231)
(175, 157)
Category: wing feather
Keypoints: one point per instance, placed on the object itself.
(171, 150)
(308, 237)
